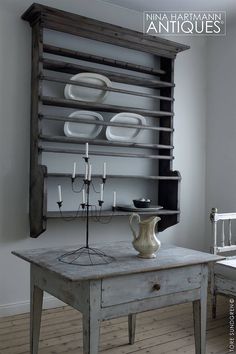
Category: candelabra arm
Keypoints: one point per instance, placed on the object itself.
(73, 186)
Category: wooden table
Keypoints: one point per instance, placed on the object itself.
(127, 286)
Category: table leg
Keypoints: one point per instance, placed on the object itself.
(132, 327)
(91, 334)
(36, 302)
(200, 315)
(91, 319)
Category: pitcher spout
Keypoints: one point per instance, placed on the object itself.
(152, 220)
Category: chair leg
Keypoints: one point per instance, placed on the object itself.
(213, 292)
(213, 304)
(132, 327)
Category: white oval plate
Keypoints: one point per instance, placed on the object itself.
(87, 94)
(124, 133)
(83, 130)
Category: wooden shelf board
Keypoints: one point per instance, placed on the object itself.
(161, 178)
(56, 214)
(106, 124)
(62, 102)
(69, 68)
(58, 150)
(96, 30)
(68, 53)
(100, 142)
(105, 88)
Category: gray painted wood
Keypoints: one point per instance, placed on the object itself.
(62, 175)
(129, 288)
(168, 106)
(36, 302)
(103, 153)
(222, 234)
(225, 249)
(92, 319)
(108, 89)
(118, 212)
(112, 124)
(114, 39)
(67, 103)
(225, 286)
(219, 284)
(230, 232)
(132, 328)
(38, 200)
(60, 287)
(213, 291)
(150, 304)
(101, 142)
(215, 216)
(126, 260)
(43, 17)
(200, 314)
(179, 274)
(68, 68)
(68, 53)
(168, 191)
(89, 28)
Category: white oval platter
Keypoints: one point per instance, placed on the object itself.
(124, 133)
(87, 94)
(83, 130)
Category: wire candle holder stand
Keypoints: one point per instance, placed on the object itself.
(87, 255)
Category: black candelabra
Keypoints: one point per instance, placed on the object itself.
(87, 255)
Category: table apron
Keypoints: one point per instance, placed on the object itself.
(224, 285)
(133, 287)
(150, 304)
(177, 286)
(73, 293)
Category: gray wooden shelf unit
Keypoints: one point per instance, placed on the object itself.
(53, 70)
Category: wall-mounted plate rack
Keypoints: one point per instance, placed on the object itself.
(54, 64)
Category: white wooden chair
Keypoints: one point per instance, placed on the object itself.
(223, 273)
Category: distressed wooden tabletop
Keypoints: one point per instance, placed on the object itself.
(126, 260)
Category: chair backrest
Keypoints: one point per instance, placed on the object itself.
(222, 241)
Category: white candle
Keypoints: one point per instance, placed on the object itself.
(83, 196)
(86, 149)
(114, 199)
(59, 193)
(104, 170)
(86, 172)
(89, 172)
(74, 170)
(101, 192)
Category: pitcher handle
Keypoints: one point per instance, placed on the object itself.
(132, 216)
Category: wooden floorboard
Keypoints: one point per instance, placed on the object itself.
(164, 331)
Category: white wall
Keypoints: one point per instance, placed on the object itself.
(14, 147)
(221, 124)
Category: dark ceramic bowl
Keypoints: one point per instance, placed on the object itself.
(141, 203)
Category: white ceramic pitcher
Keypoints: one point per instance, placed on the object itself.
(145, 241)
